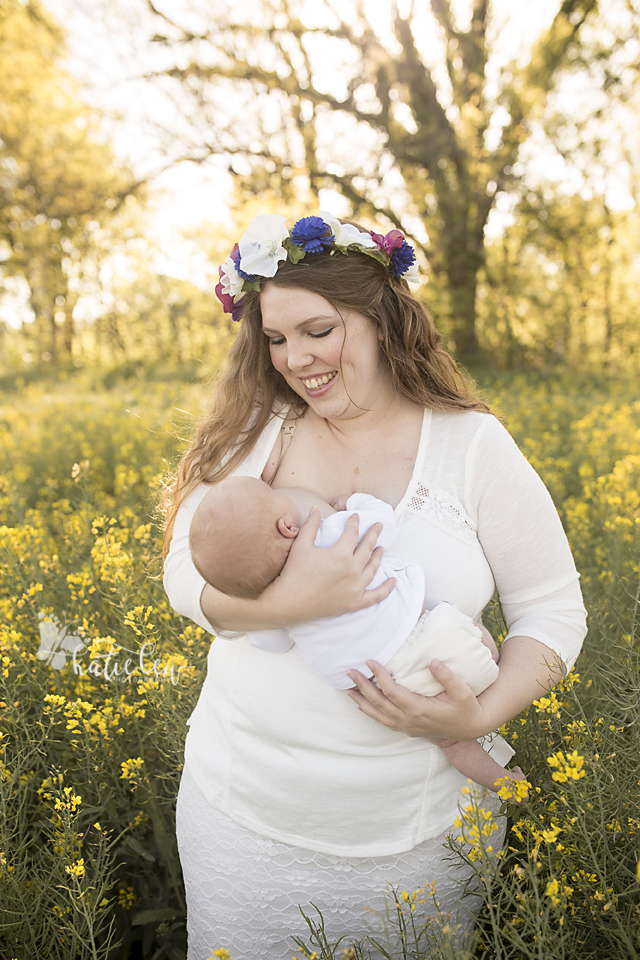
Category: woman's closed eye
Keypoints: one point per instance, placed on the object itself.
(277, 341)
(318, 336)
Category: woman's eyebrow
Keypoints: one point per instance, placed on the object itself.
(304, 323)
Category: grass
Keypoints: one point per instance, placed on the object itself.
(91, 755)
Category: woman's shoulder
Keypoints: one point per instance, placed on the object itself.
(460, 442)
(255, 461)
(463, 426)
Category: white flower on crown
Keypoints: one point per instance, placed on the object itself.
(261, 247)
(412, 274)
(346, 233)
(230, 280)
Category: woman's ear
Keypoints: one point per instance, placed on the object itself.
(287, 529)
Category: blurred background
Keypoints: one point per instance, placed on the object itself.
(137, 139)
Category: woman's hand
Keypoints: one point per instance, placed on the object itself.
(456, 713)
(528, 669)
(329, 581)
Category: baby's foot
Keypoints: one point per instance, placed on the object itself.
(513, 787)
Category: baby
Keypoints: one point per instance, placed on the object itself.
(240, 538)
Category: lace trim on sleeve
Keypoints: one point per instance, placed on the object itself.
(442, 510)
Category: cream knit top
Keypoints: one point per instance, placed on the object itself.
(281, 751)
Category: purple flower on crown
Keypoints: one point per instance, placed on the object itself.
(401, 254)
(225, 298)
(390, 242)
(237, 309)
(311, 234)
(229, 289)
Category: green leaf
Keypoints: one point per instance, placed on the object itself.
(294, 253)
(137, 847)
(153, 916)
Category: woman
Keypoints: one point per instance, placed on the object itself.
(291, 795)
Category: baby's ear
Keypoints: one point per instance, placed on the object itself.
(287, 529)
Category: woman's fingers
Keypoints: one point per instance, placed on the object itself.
(455, 688)
(367, 545)
(363, 550)
(449, 714)
(365, 706)
(372, 701)
(309, 529)
(348, 539)
(387, 698)
(334, 580)
(371, 597)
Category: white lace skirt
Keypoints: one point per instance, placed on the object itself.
(243, 889)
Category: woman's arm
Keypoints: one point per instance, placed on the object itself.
(523, 540)
(315, 582)
(528, 669)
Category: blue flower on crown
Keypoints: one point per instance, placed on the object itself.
(250, 277)
(310, 233)
(401, 259)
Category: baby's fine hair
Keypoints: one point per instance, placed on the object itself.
(231, 538)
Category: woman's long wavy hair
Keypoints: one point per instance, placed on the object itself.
(249, 387)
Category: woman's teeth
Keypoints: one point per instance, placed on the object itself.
(316, 382)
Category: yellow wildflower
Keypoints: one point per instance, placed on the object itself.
(131, 768)
(516, 791)
(77, 869)
(566, 768)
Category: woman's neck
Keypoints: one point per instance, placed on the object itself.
(379, 420)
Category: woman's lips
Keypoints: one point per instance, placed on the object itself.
(317, 386)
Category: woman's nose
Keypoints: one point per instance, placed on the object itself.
(298, 356)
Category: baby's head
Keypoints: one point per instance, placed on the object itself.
(241, 535)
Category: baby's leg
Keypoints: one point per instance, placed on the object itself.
(470, 759)
(451, 636)
(489, 642)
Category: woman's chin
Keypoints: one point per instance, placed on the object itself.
(337, 407)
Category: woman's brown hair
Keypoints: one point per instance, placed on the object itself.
(249, 387)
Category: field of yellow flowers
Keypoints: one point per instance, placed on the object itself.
(98, 676)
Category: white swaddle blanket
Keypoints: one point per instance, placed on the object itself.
(393, 632)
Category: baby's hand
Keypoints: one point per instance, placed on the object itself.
(340, 503)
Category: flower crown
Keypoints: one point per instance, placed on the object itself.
(267, 242)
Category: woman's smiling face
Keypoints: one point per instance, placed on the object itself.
(333, 365)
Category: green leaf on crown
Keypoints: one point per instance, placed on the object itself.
(294, 253)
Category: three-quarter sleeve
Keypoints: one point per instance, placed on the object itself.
(525, 545)
(182, 582)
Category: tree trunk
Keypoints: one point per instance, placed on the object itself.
(53, 349)
(68, 332)
(462, 267)
(463, 318)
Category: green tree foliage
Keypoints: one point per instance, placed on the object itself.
(153, 319)
(423, 138)
(561, 286)
(60, 186)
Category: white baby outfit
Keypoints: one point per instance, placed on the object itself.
(333, 645)
(290, 764)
